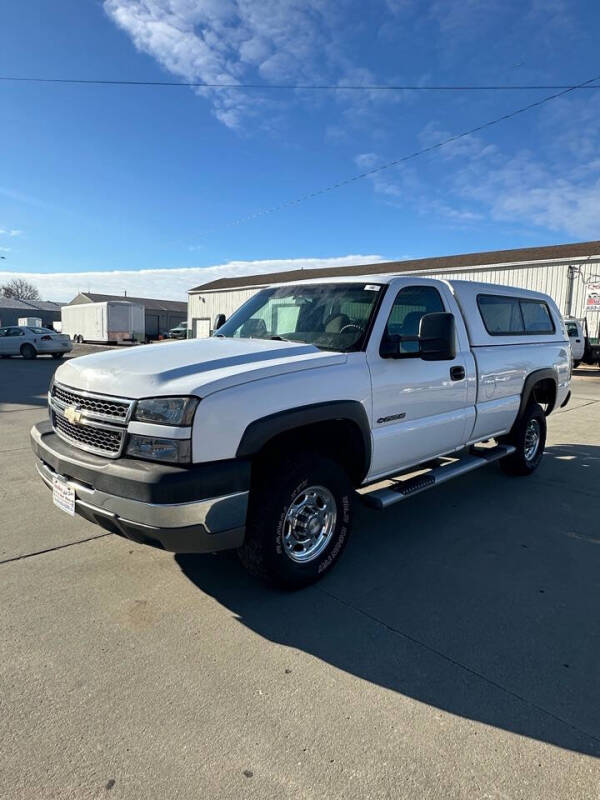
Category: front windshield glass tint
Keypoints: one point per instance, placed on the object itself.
(330, 316)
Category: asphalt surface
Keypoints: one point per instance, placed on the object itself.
(453, 653)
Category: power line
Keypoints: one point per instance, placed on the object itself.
(409, 157)
(309, 87)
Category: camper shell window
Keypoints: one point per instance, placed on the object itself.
(505, 315)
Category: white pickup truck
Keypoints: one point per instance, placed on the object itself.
(260, 437)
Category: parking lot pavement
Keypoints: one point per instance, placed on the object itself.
(453, 653)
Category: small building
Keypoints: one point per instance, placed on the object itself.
(563, 271)
(160, 315)
(12, 310)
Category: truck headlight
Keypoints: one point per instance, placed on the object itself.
(166, 410)
(176, 451)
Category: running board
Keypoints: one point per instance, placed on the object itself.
(382, 498)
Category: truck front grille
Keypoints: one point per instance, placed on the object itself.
(97, 405)
(103, 441)
(93, 422)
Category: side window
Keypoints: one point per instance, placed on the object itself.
(3, 331)
(410, 305)
(14, 332)
(501, 315)
(536, 317)
(571, 328)
(514, 316)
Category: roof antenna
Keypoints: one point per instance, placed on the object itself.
(124, 292)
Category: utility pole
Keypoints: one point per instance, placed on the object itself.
(571, 273)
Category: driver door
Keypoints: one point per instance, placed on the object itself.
(419, 407)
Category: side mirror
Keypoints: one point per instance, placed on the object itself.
(390, 346)
(220, 320)
(437, 337)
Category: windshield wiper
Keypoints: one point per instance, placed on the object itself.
(279, 339)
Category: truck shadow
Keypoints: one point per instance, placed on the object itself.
(480, 600)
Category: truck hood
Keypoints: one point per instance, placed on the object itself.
(193, 366)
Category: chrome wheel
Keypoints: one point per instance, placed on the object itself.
(532, 439)
(309, 524)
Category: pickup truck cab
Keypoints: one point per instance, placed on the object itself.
(583, 348)
(262, 437)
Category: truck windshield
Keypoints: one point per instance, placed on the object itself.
(330, 316)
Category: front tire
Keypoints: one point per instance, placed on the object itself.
(298, 521)
(28, 351)
(57, 356)
(529, 438)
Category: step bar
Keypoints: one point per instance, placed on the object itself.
(382, 498)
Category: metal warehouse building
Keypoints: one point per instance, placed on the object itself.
(564, 271)
(12, 310)
(160, 315)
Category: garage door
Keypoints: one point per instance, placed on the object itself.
(152, 325)
(201, 328)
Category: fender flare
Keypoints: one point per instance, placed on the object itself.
(530, 381)
(262, 430)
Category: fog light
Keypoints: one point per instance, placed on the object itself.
(176, 451)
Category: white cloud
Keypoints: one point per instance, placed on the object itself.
(555, 187)
(248, 41)
(167, 284)
(525, 189)
(10, 232)
(403, 187)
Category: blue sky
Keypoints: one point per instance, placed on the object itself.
(99, 182)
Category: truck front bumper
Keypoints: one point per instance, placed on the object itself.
(196, 509)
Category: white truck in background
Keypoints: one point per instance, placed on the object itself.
(584, 349)
(260, 437)
(111, 322)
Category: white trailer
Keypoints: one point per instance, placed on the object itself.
(114, 321)
(30, 322)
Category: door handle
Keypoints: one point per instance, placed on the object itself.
(457, 373)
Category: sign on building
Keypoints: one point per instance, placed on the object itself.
(592, 296)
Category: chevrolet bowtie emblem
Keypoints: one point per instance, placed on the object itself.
(73, 414)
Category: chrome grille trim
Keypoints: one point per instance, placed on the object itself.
(103, 440)
(94, 406)
(102, 425)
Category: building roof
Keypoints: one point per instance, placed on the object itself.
(437, 264)
(150, 303)
(29, 305)
(10, 302)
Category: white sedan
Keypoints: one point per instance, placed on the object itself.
(29, 342)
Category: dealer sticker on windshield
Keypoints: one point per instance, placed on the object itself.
(372, 287)
(63, 496)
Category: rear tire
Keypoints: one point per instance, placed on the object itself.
(28, 351)
(57, 356)
(529, 438)
(576, 364)
(299, 520)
